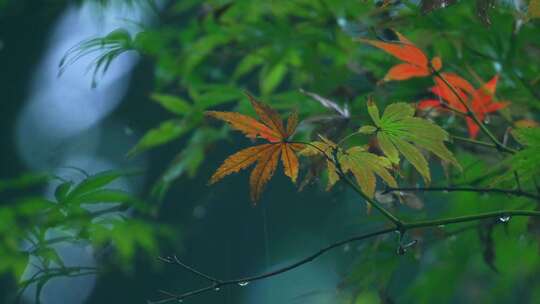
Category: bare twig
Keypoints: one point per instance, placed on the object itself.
(517, 192)
(246, 280)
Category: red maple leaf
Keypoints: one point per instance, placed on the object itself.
(481, 101)
(415, 62)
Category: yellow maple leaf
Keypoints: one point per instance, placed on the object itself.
(267, 156)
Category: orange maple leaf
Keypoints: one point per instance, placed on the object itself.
(416, 63)
(481, 101)
(271, 128)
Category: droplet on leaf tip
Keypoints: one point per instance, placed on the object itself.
(242, 284)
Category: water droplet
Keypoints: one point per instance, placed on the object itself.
(497, 66)
(342, 22)
(487, 120)
(504, 219)
(180, 301)
(242, 284)
(217, 289)
(401, 250)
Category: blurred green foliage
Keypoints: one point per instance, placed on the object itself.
(89, 211)
(204, 53)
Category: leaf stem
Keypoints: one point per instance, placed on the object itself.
(470, 113)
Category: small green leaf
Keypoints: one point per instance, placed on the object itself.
(23, 181)
(367, 130)
(401, 133)
(365, 166)
(215, 95)
(166, 132)
(272, 77)
(173, 104)
(94, 182)
(247, 64)
(103, 196)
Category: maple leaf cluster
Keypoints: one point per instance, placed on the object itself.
(399, 134)
(449, 99)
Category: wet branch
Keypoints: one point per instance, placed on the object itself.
(517, 192)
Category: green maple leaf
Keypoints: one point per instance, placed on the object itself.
(363, 165)
(400, 133)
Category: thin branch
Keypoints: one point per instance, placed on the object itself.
(474, 142)
(170, 297)
(241, 281)
(176, 260)
(517, 192)
(470, 218)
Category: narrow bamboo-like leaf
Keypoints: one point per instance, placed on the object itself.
(272, 77)
(166, 132)
(102, 196)
(95, 182)
(173, 104)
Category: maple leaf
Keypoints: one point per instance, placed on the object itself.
(399, 133)
(481, 101)
(363, 165)
(415, 62)
(267, 156)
